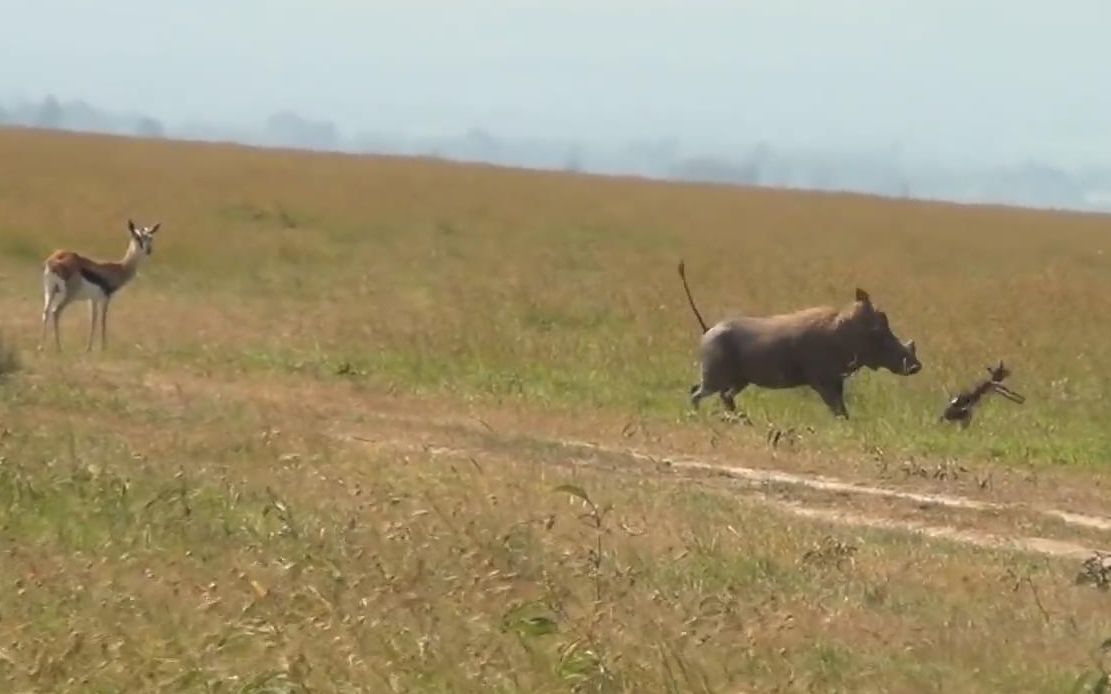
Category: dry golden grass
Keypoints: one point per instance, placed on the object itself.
(561, 291)
(179, 514)
(158, 537)
(9, 357)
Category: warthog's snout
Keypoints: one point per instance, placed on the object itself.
(911, 363)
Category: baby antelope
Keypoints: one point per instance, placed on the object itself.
(68, 277)
(960, 407)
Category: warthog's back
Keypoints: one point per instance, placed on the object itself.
(817, 320)
(779, 351)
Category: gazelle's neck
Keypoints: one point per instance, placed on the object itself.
(131, 260)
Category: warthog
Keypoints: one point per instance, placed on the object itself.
(817, 347)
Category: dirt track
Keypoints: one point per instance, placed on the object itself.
(1022, 522)
(991, 525)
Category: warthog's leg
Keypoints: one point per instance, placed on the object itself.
(697, 393)
(728, 394)
(833, 394)
(719, 374)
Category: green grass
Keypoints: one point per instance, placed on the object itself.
(9, 358)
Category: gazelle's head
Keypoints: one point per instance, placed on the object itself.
(142, 238)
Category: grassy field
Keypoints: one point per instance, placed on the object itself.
(561, 291)
(187, 512)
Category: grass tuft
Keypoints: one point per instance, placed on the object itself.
(9, 357)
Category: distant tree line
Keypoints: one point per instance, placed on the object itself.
(78, 115)
(882, 172)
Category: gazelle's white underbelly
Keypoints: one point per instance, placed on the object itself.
(77, 289)
(87, 291)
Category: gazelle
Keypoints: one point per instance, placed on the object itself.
(68, 277)
(960, 407)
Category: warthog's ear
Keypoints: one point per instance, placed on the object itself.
(862, 296)
(911, 348)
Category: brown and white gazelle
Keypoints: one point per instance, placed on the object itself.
(68, 277)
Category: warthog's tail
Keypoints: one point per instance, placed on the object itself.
(690, 299)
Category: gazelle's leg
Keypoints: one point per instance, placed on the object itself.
(45, 317)
(104, 326)
(54, 311)
(93, 311)
(47, 300)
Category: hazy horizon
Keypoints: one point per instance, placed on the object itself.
(948, 83)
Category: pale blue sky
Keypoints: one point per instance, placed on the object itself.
(956, 80)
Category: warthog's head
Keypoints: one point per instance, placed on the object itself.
(876, 346)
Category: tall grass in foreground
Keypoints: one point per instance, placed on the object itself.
(239, 550)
